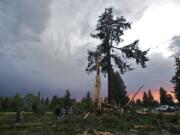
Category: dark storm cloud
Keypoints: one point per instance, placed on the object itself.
(23, 20)
(21, 25)
(43, 44)
(175, 45)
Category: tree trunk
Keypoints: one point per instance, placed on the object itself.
(109, 77)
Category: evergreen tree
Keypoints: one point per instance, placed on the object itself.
(6, 103)
(1, 99)
(36, 105)
(150, 98)
(17, 103)
(17, 106)
(119, 93)
(67, 101)
(176, 79)
(139, 102)
(170, 99)
(42, 101)
(86, 104)
(47, 101)
(162, 96)
(151, 101)
(145, 100)
(28, 102)
(165, 99)
(54, 102)
(110, 31)
(87, 98)
(39, 96)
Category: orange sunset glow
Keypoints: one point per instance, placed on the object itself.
(155, 94)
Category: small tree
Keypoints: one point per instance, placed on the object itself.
(110, 31)
(68, 102)
(28, 102)
(58, 112)
(151, 100)
(148, 100)
(176, 79)
(139, 102)
(42, 101)
(119, 93)
(1, 99)
(145, 100)
(6, 103)
(47, 102)
(17, 103)
(54, 102)
(86, 104)
(165, 99)
(87, 98)
(36, 105)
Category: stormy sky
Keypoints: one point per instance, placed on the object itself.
(43, 43)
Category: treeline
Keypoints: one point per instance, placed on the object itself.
(149, 101)
(39, 105)
(34, 103)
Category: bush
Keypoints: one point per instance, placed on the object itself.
(174, 119)
(142, 132)
(174, 129)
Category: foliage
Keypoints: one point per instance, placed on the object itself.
(17, 102)
(176, 79)
(86, 105)
(47, 102)
(165, 99)
(36, 105)
(142, 132)
(54, 102)
(110, 31)
(68, 102)
(174, 129)
(148, 100)
(145, 99)
(87, 98)
(139, 102)
(119, 92)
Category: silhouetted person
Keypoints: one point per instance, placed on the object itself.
(58, 112)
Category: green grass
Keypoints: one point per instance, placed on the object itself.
(109, 121)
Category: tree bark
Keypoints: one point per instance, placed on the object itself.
(109, 75)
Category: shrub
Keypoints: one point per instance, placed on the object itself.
(143, 132)
(174, 129)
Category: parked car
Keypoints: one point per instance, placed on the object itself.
(177, 108)
(165, 108)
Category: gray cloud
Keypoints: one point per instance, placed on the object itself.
(43, 44)
(175, 45)
(157, 74)
(22, 23)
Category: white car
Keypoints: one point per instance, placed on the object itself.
(165, 108)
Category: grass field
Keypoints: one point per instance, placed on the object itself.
(113, 122)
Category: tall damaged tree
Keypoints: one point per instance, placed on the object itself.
(109, 32)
